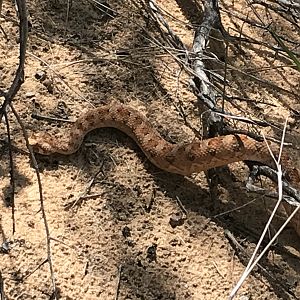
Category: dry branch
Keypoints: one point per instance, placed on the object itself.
(19, 77)
(2, 287)
(12, 174)
(36, 168)
(201, 83)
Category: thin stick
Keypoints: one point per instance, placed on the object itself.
(248, 271)
(2, 287)
(35, 269)
(238, 246)
(47, 118)
(69, 5)
(119, 282)
(36, 168)
(84, 195)
(11, 171)
(251, 264)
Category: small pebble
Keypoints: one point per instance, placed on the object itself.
(40, 75)
(30, 95)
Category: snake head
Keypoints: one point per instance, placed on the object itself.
(41, 143)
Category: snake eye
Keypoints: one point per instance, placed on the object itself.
(191, 156)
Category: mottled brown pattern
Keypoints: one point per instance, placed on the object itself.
(183, 159)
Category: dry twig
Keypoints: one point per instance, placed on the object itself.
(12, 173)
(2, 287)
(36, 168)
(19, 77)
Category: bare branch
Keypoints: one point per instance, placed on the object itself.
(19, 77)
(12, 173)
(36, 168)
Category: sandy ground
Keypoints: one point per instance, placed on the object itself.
(108, 209)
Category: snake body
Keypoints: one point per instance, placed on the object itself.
(182, 159)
